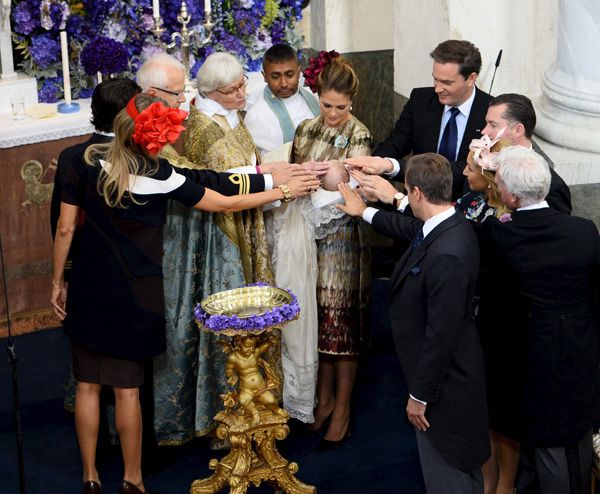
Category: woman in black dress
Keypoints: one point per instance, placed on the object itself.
(114, 312)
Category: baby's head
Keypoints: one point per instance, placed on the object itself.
(336, 174)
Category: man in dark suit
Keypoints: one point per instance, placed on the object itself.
(443, 118)
(515, 114)
(432, 320)
(552, 262)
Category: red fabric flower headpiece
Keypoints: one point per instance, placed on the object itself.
(316, 65)
(156, 126)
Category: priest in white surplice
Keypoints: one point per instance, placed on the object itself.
(273, 119)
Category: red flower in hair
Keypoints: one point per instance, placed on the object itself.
(158, 126)
(315, 66)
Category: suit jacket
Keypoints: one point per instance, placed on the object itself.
(435, 337)
(418, 128)
(553, 263)
(559, 195)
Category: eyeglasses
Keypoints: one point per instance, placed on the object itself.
(174, 93)
(242, 85)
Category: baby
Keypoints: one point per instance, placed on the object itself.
(336, 174)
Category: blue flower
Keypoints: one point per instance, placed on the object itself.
(24, 21)
(51, 90)
(104, 55)
(44, 50)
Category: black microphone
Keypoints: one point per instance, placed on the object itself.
(496, 65)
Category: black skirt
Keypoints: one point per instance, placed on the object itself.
(96, 368)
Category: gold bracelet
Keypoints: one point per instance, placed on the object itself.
(287, 195)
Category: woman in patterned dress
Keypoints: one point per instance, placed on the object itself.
(343, 257)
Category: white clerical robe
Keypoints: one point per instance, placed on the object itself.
(264, 126)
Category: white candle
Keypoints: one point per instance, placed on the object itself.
(206, 9)
(65, 66)
(99, 76)
(155, 8)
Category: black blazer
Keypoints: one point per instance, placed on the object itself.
(559, 195)
(438, 347)
(552, 263)
(418, 128)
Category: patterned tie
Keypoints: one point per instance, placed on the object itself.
(450, 136)
(418, 239)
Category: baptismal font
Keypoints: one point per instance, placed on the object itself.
(251, 420)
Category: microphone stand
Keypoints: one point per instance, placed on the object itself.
(12, 359)
(498, 58)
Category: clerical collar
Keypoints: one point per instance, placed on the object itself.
(210, 107)
(465, 108)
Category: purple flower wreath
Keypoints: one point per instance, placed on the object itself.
(256, 322)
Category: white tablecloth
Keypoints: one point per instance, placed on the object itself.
(29, 131)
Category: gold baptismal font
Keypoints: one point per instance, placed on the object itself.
(252, 420)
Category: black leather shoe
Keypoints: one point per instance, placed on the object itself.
(326, 445)
(92, 487)
(129, 488)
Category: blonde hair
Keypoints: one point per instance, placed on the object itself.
(125, 157)
(492, 192)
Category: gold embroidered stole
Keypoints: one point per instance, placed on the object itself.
(212, 144)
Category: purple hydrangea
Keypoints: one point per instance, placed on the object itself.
(44, 50)
(104, 55)
(24, 21)
(51, 90)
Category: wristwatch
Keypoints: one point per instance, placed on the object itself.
(398, 196)
(287, 195)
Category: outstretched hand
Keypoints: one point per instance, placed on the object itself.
(318, 168)
(353, 203)
(372, 165)
(374, 187)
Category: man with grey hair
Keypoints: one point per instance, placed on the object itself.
(163, 76)
(546, 266)
(515, 114)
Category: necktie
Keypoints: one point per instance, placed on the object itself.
(418, 239)
(450, 136)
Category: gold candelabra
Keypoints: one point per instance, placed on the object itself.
(185, 37)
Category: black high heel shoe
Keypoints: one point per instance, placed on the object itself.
(92, 487)
(129, 488)
(327, 445)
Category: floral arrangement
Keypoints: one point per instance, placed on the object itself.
(272, 318)
(245, 28)
(316, 66)
(156, 126)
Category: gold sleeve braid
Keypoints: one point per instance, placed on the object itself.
(242, 180)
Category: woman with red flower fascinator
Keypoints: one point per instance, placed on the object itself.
(343, 257)
(114, 312)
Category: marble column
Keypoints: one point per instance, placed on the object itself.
(569, 110)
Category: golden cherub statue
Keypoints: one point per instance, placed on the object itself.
(244, 362)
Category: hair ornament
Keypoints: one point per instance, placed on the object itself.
(482, 154)
(156, 126)
(316, 66)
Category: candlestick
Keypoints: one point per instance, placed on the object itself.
(67, 106)
(64, 50)
(155, 8)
